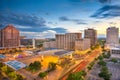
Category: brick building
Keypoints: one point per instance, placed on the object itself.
(9, 37)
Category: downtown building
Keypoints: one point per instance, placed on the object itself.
(9, 37)
(82, 44)
(112, 37)
(67, 41)
(92, 35)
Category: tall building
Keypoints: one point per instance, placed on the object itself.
(82, 44)
(92, 35)
(60, 41)
(9, 37)
(112, 35)
(67, 41)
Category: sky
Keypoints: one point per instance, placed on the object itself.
(45, 18)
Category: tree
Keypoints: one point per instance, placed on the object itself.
(34, 66)
(42, 74)
(106, 55)
(51, 66)
(19, 77)
(76, 76)
(1, 65)
(100, 57)
(105, 73)
(6, 70)
(102, 63)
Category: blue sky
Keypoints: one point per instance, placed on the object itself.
(45, 18)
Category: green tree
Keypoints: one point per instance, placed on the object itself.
(105, 73)
(100, 57)
(19, 77)
(51, 66)
(76, 76)
(33, 67)
(42, 74)
(102, 63)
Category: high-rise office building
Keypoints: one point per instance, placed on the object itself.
(112, 36)
(9, 37)
(67, 41)
(92, 35)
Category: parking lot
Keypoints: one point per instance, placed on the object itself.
(114, 68)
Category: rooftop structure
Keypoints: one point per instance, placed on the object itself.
(16, 65)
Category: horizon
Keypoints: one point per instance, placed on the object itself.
(45, 18)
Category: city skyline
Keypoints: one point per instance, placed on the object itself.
(45, 18)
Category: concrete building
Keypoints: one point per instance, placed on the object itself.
(67, 41)
(9, 37)
(82, 44)
(92, 35)
(49, 45)
(112, 38)
(115, 52)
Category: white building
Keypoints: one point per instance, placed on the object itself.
(82, 44)
(112, 38)
(115, 52)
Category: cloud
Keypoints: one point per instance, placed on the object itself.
(27, 23)
(76, 21)
(108, 11)
(44, 34)
(104, 1)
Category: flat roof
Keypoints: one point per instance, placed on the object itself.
(16, 65)
(114, 48)
(2, 56)
(62, 52)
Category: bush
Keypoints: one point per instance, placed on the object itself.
(114, 60)
(42, 74)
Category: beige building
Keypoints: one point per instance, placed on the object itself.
(92, 35)
(50, 44)
(67, 41)
(112, 34)
(82, 44)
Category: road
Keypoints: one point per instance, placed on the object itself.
(83, 64)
